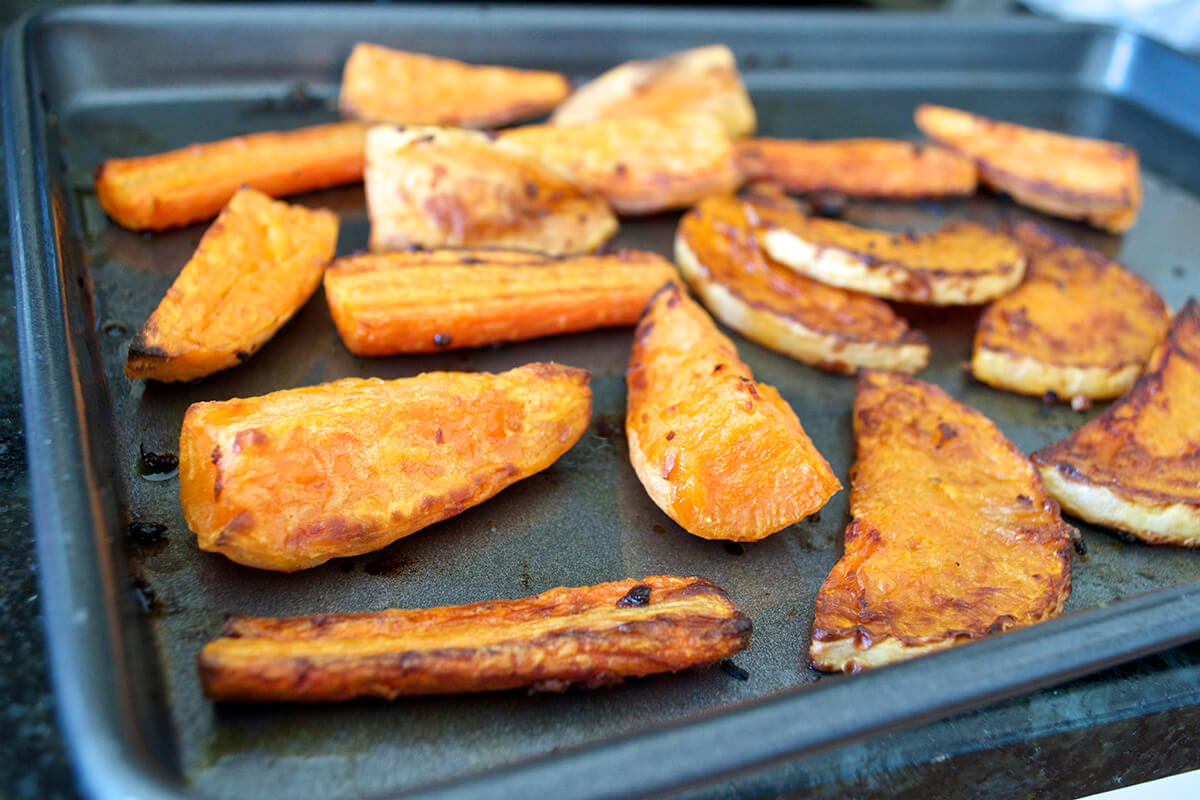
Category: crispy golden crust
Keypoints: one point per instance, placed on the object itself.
(722, 455)
(426, 301)
(859, 167)
(255, 267)
(1080, 325)
(441, 187)
(589, 636)
(380, 84)
(961, 264)
(703, 79)
(297, 477)
(835, 329)
(1141, 453)
(953, 536)
(1068, 176)
(641, 165)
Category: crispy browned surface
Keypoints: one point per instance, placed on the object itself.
(1068, 176)
(832, 328)
(703, 79)
(192, 184)
(858, 167)
(641, 165)
(291, 479)
(590, 636)
(1145, 447)
(1075, 309)
(430, 300)
(722, 455)
(255, 267)
(953, 536)
(380, 84)
(442, 187)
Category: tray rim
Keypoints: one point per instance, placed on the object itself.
(106, 749)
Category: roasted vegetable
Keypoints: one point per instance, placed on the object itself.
(255, 267)
(193, 184)
(1080, 325)
(1136, 467)
(441, 187)
(722, 455)
(430, 300)
(297, 477)
(953, 536)
(380, 84)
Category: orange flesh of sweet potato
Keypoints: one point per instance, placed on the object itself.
(591, 636)
(297, 477)
(380, 84)
(722, 455)
(425, 301)
(193, 184)
(255, 267)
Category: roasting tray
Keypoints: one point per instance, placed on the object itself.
(125, 620)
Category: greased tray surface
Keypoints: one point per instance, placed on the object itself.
(115, 83)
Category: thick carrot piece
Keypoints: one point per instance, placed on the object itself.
(194, 183)
(425, 301)
(255, 267)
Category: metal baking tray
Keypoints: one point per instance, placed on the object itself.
(125, 621)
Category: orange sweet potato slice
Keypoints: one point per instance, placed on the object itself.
(380, 84)
(1080, 325)
(193, 184)
(297, 477)
(641, 165)
(255, 267)
(703, 79)
(859, 167)
(953, 535)
(722, 455)
(425, 301)
(1068, 176)
(588, 636)
(442, 187)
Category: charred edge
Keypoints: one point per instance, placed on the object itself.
(1083, 202)
(637, 596)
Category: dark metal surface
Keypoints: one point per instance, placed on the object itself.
(116, 83)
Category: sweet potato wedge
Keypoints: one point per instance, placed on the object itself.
(255, 267)
(297, 477)
(431, 300)
(718, 253)
(1068, 176)
(193, 184)
(888, 168)
(1080, 325)
(703, 79)
(589, 636)
(443, 187)
(641, 165)
(722, 455)
(953, 536)
(380, 84)
(1136, 467)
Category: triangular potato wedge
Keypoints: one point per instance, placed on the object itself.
(447, 187)
(1080, 325)
(1136, 467)
(292, 479)
(703, 79)
(718, 253)
(953, 536)
(380, 84)
(641, 165)
(961, 264)
(722, 455)
(256, 265)
(1068, 176)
